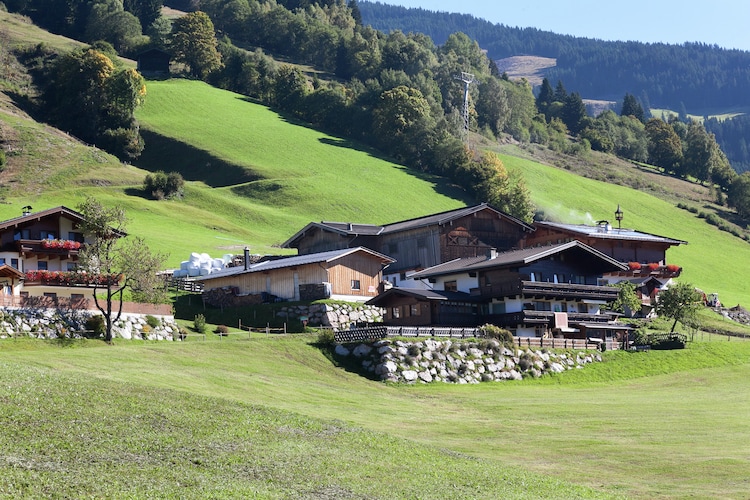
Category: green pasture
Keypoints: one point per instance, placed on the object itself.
(271, 417)
(254, 178)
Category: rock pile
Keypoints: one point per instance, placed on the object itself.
(459, 362)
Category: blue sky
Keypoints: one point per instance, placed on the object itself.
(722, 22)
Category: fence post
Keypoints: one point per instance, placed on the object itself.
(268, 328)
(285, 328)
(240, 324)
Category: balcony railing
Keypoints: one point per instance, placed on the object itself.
(59, 248)
(528, 317)
(568, 291)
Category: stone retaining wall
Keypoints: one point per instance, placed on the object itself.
(336, 315)
(47, 323)
(459, 362)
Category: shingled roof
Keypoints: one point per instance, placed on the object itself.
(514, 258)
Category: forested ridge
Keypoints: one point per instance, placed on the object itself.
(696, 76)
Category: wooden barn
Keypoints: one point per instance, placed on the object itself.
(422, 242)
(352, 274)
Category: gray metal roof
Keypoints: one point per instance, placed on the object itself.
(440, 295)
(342, 228)
(513, 257)
(445, 217)
(297, 260)
(605, 232)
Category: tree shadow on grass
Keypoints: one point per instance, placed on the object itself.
(170, 155)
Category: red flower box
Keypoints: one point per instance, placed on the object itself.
(61, 244)
(634, 266)
(673, 268)
(653, 266)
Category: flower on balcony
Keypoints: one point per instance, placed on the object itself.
(69, 278)
(653, 266)
(61, 244)
(634, 266)
(673, 268)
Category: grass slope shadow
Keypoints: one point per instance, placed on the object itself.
(170, 155)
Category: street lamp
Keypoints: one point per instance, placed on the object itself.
(618, 217)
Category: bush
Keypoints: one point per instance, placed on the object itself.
(221, 330)
(161, 185)
(152, 321)
(199, 323)
(95, 326)
(500, 334)
(326, 337)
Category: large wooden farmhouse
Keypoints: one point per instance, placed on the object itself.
(352, 274)
(539, 291)
(419, 243)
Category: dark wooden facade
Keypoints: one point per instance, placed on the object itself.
(625, 245)
(520, 290)
(423, 242)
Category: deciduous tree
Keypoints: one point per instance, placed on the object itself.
(194, 44)
(124, 264)
(679, 302)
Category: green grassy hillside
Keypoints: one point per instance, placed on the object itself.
(273, 417)
(255, 178)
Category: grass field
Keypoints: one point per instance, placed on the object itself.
(272, 418)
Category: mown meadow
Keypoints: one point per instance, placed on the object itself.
(273, 417)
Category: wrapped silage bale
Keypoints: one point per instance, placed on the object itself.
(184, 265)
(204, 271)
(217, 264)
(180, 273)
(227, 258)
(195, 258)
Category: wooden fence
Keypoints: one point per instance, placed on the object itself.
(262, 329)
(380, 332)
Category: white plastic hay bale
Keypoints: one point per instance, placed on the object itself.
(204, 271)
(195, 257)
(184, 265)
(227, 258)
(217, 264)
(180, 273)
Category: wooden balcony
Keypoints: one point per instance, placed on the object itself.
(542, 290)
(567, 291)
(528, 317)
(60, 250)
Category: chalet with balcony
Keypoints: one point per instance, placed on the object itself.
(39, 254)
(422, 242)
(552, 290)
(352, 274)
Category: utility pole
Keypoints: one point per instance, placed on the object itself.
(468, 79)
